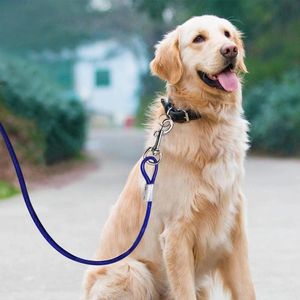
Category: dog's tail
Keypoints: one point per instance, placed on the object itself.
(127, 280)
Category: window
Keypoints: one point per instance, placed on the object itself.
(102, 78)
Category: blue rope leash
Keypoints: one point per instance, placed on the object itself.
(46, 235)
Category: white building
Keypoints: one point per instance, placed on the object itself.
(107, 78)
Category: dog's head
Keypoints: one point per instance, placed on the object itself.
(204, 53)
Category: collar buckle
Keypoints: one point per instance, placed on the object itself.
(168, 112)
(179, 115)
(187, 118)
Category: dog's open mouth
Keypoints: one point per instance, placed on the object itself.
(226, 80)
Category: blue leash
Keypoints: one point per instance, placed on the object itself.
(149, 183)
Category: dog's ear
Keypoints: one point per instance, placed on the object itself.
(167, 62)
(239, 42)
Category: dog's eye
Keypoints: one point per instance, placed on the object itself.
(227, 33)
(199, 39)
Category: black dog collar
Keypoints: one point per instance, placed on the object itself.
(179, 115)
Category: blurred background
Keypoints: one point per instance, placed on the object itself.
(74, 87)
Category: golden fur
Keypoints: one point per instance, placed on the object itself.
(197, 225)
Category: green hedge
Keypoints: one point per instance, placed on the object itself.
(7, 190)
(29, 93)
(273, 109)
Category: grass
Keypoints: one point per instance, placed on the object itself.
(7, 190)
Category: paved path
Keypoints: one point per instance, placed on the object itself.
(74, 214)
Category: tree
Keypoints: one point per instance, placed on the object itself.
(34, 25)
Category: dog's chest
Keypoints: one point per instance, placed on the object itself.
(211, 172)
(208, 199)
(211, 181)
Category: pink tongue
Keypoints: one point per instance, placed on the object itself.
(228, 80)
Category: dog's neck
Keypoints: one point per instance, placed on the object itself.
(210, 106)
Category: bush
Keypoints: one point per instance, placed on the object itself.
(7, 190)
(28, 143)
(27, 92)
(273, 110)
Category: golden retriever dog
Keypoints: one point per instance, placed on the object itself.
(196, 229)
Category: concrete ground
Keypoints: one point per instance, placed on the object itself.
(75, 213)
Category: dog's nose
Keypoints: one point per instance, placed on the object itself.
(229, 51)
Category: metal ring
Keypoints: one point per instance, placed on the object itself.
(158, 156)
(167, 125)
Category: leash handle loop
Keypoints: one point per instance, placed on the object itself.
(154, 162)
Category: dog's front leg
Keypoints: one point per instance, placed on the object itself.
(179, 261)
(234, 268)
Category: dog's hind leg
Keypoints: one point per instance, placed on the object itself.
(126, 280)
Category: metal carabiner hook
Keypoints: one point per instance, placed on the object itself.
(165, 127)
(158, 134)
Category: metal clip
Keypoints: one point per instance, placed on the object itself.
(158, 134)
(166, 126)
